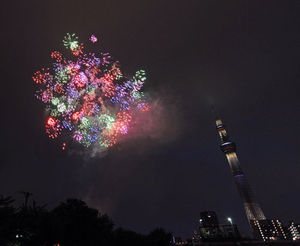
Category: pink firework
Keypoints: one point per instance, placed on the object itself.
(93, 39)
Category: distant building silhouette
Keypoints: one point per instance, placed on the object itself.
(212, 231)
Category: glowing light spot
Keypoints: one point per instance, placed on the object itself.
(71, 41)
(51, 121)
(55, 101)
(93, 39)
(64, 145)
(61, 107)
(75, 116)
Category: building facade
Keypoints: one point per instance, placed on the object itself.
(293, 231)
(268, 230)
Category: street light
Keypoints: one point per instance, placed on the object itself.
(230, 220)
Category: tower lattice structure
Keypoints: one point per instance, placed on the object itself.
(252, 208)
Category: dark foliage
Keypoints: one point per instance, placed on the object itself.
(72, 223)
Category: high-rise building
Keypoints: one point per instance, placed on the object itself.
(211, 230)
(209, 226)
(208, 219)
(262, 228)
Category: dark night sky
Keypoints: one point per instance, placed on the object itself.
(242, 55)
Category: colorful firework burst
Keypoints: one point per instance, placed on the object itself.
(87, 97)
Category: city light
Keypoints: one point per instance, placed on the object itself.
(230, 220)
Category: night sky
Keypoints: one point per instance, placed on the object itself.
(242, 56)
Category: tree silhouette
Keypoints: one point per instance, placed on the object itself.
(159, 237)
(77, 224)
(71, 223)
(30, 221)
(7, 220)
(126, 237)
(26, 197)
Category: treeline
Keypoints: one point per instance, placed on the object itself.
(72, 223)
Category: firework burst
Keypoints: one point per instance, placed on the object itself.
(87, 97)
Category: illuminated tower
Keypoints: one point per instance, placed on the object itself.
(265, 229)
(252, 208)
